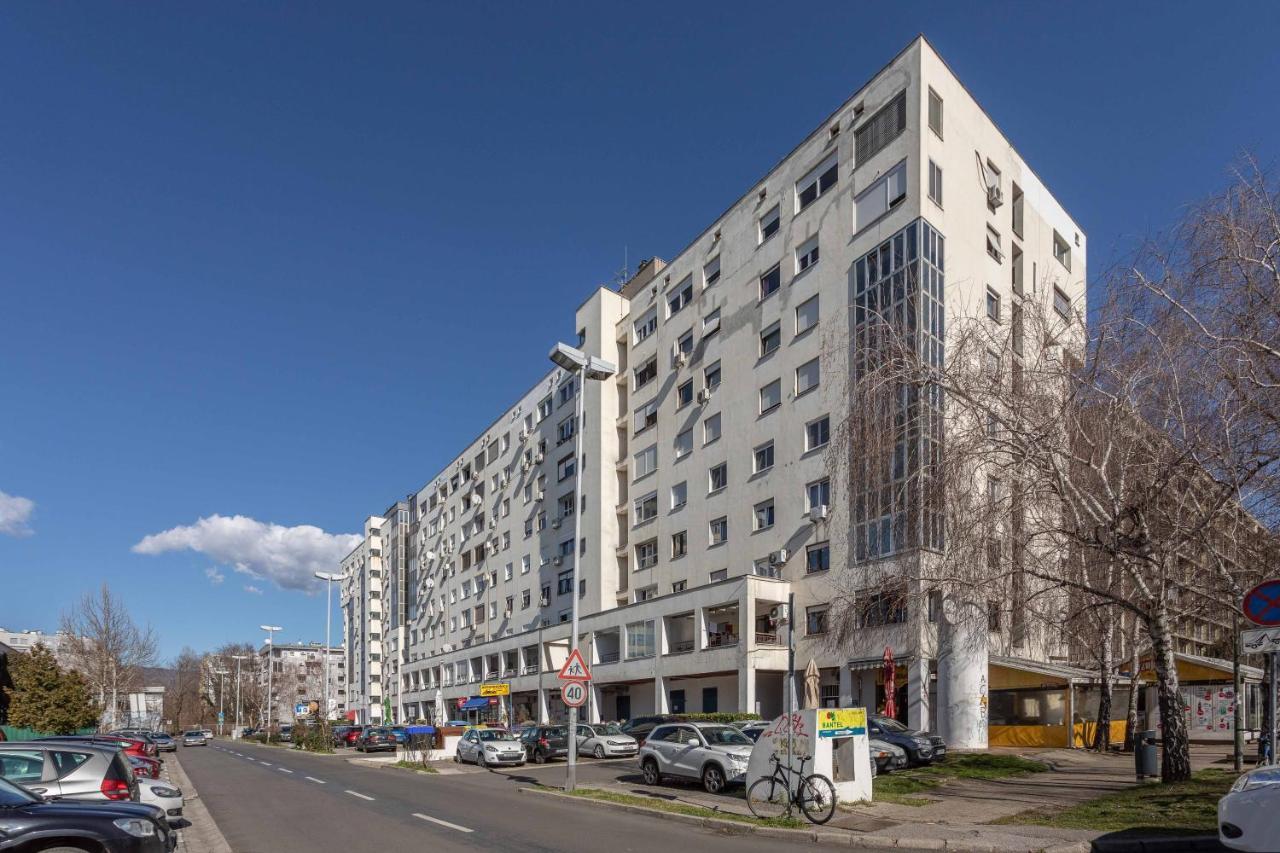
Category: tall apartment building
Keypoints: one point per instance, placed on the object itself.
(298, 678)
(706, 497)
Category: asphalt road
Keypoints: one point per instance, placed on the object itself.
(274, 800)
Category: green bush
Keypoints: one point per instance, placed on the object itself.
(313, 736)
(721, 717)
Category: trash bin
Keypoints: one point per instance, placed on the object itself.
(1145, 760)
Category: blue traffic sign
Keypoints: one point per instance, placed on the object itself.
(220, 718)
(1262, 603)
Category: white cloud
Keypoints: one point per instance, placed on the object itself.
(15, 513)
(253, 589)
(284, 555)
(215, 577)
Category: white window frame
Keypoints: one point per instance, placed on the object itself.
(802, 371)
(817, 308)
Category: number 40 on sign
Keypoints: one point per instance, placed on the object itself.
(574, 694)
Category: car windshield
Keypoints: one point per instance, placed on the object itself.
(195, 734)
(1260, 778)
(13, 796)
(555, 731)
(890, 725)
(611, 729)
(494, 734)
(724, 736)
(377, 731)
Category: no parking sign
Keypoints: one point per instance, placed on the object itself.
(1262, 604)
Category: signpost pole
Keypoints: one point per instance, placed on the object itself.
(1271, 706)
(571, 772)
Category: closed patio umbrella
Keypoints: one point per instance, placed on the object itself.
(890, 684)
(812, 699)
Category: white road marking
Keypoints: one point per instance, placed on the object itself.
(442, 822)
(317, 781)
(266, 763)
(284, 769)
(360, 795)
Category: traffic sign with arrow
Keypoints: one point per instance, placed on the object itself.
(575, 668)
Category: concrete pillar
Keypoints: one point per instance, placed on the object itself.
(593, 711)
(962, 675)
(846, 687)
(543, 714)
(700, 628)
(918, 716)
(661, 702)
(746, 686)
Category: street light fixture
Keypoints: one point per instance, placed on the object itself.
(328, 578)
(237, 659)
(583, 366)
(271, 636)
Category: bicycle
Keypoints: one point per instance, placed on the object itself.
(773, 796)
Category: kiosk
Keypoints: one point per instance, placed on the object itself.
(832, 742)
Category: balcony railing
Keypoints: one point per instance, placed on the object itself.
(682, 646)
(531, 669)
(608, 657)
(766, 639)
(716, 639)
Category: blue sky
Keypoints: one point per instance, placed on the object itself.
(242, 246)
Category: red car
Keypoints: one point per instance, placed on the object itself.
(143, 766)
(131, 746)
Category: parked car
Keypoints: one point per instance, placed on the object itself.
(490, 747)
(143, 766)
(752, 728)
(340, 734)
(921, 747)
(31, 823)
(72, 770)
(162, 795)
(131, 745)
(715, 753)
(376, 739)
(605, 740)
(248, 731)
(352, 735)
(195, 737)
(164, 742)
(1249, 814)
(886, 756)
(286, 734)
(208, 733)
(543, 743)
(640, 727)
(400, 733)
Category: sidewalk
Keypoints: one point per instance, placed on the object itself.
(201, 835)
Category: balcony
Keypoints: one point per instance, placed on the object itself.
(680, 633)
(722, 626)
(608, 646)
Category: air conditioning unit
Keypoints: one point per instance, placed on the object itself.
(538, 459)
(555, 523)
(995, 195)
(506, 478)
(779, 614)
(447, 647)
(493, 522)
(525, 465)
(506, 614)
(477, 503)
(682, 358)
(540, 495)
(557, 560)
(778, 558)
(704, 396)
(524, 434)
(818, 513)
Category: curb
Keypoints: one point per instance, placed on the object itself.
(842, 838)
(203, 834)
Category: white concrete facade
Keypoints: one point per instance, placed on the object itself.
(730, 355)
(298, 676)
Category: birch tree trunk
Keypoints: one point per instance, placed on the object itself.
(1176, 763)
(1102, 736)
(1135, 684)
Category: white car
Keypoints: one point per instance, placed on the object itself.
(715, 753)
(1249, 815)
(489, 748)
(605, 740)
(153, 792)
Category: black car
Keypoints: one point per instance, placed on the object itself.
(376, 738)
(543, 743)
(640, 727)
(921, 747)
(29, 823)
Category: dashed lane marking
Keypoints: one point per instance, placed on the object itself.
(446, 823)
(317, 781)
(358, 794)
(284, 769)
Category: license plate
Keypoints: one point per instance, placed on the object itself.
(940, 751)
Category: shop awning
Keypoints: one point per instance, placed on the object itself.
(1020, 672)
(475, 703)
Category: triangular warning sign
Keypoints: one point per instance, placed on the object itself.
(575, 668)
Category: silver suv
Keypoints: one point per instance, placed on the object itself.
(73, 771)
(712, 752)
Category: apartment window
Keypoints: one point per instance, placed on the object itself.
(769, 223)
(813, 185)
(646, 325)
(817, 494)
(763, 457)
(934, 605)
(771, 396)
(718, 476)
(684, 444)
(679, 586)
(679, 494)
(1016, 210)
(763, 515)
(817, 433)
(564, 431)
(679, 544)
(566, 467)
(647, 554)
(646, 508)
(993, 305)
(684, 346)
(1016, 271)
(807, 377)
(719, 529)
(646, 416)
(711, 272)
(806, 255)
(770, 339)
(806, 315)
(881, 129)
(646, 461)
(935, 112)
(545, 597)
(711, 377)
(564, 582)
(681, 297)
(542, 521)
(770, 282)
(566, 392)
(935, 183)
(817, 557)
(645, 594)
(525, 563)
(718, 575)
(711, 323)
(640, 639)
(878, 199)
(1061, 250)
(993, 615)
(544, 409)
(882, 608)
(711, 429)
(684, 394)
(1061, 302)
(815, 619)
(993, 244)
(646, 373)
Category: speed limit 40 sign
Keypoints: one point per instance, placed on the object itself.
(574, 694)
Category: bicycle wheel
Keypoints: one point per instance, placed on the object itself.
(767, 798)
(817, 798)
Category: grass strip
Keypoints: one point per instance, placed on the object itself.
(679, 808)
(419, 766)
(902, 786)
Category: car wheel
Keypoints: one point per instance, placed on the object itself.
(712, 779)
(599, 753)
(539, 757)
(482, 762)
(649, 769)
(63, 850)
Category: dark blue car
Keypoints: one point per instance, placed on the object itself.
(921, 747)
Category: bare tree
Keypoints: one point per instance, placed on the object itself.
(104, 644)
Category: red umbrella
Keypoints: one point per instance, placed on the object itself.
(890, 684)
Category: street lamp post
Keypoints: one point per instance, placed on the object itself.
(271, 645)
(237, 659)
(222, 691)
(583, 367)
(328, 578)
